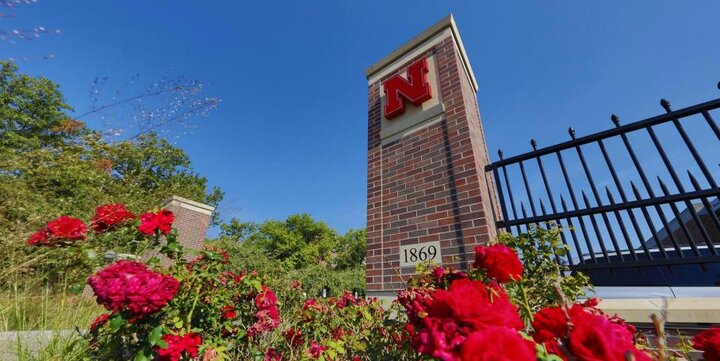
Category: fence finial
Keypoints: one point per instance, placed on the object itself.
(665, 104)
(533, 143)
(718, 85)
(500, 154)
(571, 130)
(615, 119)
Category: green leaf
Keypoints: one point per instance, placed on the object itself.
(116, 323)
(155, 337)
(77, 288)
(142, 356)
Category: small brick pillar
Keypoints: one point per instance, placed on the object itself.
(428, 194)
(192, 220)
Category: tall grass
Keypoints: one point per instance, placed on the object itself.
(41, 323)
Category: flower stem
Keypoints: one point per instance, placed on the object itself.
(192, 309)
(526, 303)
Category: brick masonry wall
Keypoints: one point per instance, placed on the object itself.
(429, 185)
(191, 224)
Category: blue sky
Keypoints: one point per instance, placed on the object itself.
(290, 134)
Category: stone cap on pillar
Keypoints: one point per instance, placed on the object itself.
(419, 44)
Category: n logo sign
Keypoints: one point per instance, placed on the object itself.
(415, 89)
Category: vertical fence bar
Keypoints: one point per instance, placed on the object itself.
(703, 168)
(679, 219)
(527, 189)
(572, 233)
(510, 195)
(593, 221)
(678, 184)
(698, 159)
(653, 233)
(583, 229)
(648, 188)
(533, 143)
(598, 201)
(711, 123)
(621, 222)
(503, 206)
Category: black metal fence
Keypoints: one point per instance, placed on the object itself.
(637, 204)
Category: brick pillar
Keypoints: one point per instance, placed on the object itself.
(428, 192)
(192, 220)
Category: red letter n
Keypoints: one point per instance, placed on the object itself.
(416, 89)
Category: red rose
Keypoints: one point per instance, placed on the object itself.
(315, 350)
(60, 231)
(438, 272)
(272, 355)
(708, 342)
(67, 228)
(229, 312)
(99, 321)
(347, 299)
(40, 238)
(553, 348)
(310, 303)
(267, 317)
(595, 338)
(109, 216)
(444, 318)
(549, 323)
(500, 262)
(164, 219)
(150, 222)
(471, 304)
(129, 285)
(497, 344)
(177, 345)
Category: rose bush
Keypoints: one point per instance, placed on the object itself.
(206, 308)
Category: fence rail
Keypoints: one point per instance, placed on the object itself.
(624, 220)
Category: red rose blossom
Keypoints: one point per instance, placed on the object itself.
(470, 303)
(109, 216)
(177, 345)
(497, 344)
(549, 323)
(315, 350)
(129, 285)
(150, 222)
(347, 299)
(229, 312)
(500, 262)
(99, 321)
(443, 319)
(63, 230)
(272, 355)
(67, 228)
(40, 238)
(708, 342)
(595, 338)
(267, 317)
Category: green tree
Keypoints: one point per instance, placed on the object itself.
(300, 241)
(298, 248)
(51, 164)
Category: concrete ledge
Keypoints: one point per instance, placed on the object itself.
(15, 345)
(703, 310)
